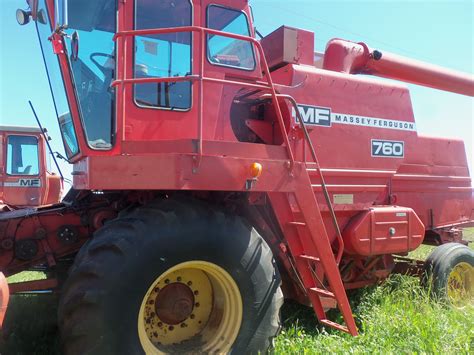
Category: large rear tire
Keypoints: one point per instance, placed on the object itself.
(173, 276)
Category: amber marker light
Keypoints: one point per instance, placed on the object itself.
(256, 170)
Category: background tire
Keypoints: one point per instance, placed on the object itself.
(101, 299)
(450, 267)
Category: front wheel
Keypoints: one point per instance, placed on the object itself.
(172, 277)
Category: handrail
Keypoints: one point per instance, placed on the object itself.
(321, 176)
(201, 78)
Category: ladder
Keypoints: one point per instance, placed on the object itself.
(301, 221)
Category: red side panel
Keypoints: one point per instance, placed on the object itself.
(384, 230)
(4, 298)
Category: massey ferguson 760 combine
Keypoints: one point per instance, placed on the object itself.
(215, 173)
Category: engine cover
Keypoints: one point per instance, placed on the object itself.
(383, 230)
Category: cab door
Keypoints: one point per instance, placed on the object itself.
(21, 178)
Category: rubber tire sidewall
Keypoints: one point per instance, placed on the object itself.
(227, 242)
(442, 264)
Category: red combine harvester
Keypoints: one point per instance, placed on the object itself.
(215, 174)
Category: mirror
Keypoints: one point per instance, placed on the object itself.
(22, 17)
(42, 17)
(60, 14)
(75, 46)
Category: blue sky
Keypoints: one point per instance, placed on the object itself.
(440, 32)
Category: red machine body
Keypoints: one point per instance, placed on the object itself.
(346, 180)
(384, 230)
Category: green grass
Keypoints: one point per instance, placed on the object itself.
(27, 276)
(396, 317)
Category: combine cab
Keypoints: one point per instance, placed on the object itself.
(25, 177)
(215, 174)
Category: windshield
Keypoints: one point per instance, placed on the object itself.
(22, 155)
(93, 23)
(61, 104)
(93, 70)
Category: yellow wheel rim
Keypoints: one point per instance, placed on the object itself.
(460, 285)
(194, 306)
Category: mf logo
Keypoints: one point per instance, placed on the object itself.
(313, 115)
(24, 183)
(30, 182)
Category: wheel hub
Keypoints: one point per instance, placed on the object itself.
(460, 285)
(174, 303)
(195, 306)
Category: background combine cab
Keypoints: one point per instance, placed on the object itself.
(25, 176)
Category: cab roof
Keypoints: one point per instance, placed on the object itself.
(21, 129)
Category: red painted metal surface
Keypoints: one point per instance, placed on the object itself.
(27, 190)
(362, 109)
(357, 58)
(384, 230)
(288, 45)
(32, 236)
(32, 286)
(4, 298)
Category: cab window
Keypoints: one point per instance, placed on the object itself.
(163, 55)
(93, 70)
(22, 155)
(227, 51)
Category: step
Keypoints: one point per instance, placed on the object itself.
(311, 242)
(322, 292)
(335, 325)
